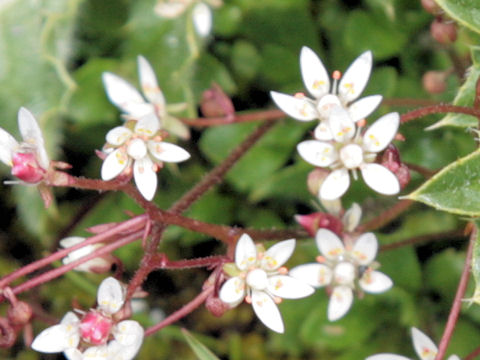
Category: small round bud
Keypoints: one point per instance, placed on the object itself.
(20, 313)
(431, 7)
(312, 222)
(26, 168)
(216, 103)
(444, 33)
(391, 160)
(216, 306)
(434, 82)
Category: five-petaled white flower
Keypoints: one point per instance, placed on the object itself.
(201, 13)
(343, 92)
(351, 152)
(342, 268)
(139, 142)
(424, 347)
(123, 95)
(95, 334)
(28, 159)
(260, 279)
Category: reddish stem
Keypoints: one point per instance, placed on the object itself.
(457, 302)
(386, 216)
(438, 109)
(473, 354)
(182, 312)
(422, 239)
(252, 116)
(161, 261)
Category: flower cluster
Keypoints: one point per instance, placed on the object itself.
(95, 334)
(139, 142)
(424, 347)
(339, 143)
(259, 277)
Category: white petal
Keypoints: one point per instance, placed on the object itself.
(317, 153)
(322, 132)
(97, 353)
(453, 357)
(245, 252)
(55, 339)
(365, 248)
(145, 177)
(341, 125)
(317, 275)
(123, 95)
(32, 135)
(375, 282)
(111, 295)
(340, 302)
(147, 125)
(387, 357)
(167, 152)
(233, 291)
(73, 354)
(315, 76)
(202, 19)
(329, 244)
(8, 145)
(380, 179)
(170, 9)
(118, 352)
(71, 241)
(114, 164)
(335, 185)
(176, 127)
(381, 132)
(360, 109)
(129, 333)
(278, 254)
(300, 108)
(424, 346)
(352, 217)
(149, 84)
(118, 135)
(288, 287)
(355, 78)
(267, 311)
(137, 149)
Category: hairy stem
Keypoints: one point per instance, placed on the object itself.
(249, 117)
(438, 109)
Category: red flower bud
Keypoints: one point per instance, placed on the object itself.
(434, 82)
(444, 33)
(216, 306)
(391, 160)
(26, 168)
(215, 103)
(19, 313)
(431, 6)
(312, 222)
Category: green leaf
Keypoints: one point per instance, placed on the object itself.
(455, 189)
(464, 97)
(476, 266)
(466, 12)
(202, 352)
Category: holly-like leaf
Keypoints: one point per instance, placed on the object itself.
(455, 189)
(463, 11)
(202, 352)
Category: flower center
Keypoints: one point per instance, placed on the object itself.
(351, 156)
(326, 104)
(95, 328)
(26, 168)
(257, 279)
(137, 149)
(344, 273)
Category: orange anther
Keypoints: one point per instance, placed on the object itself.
(361, 123)
(336, 75)
(299, 95)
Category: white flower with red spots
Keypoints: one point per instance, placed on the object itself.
(94, 334)
(139, 143)
(424, 347)
(350, 152)
(123, 95)
(260, 278)
(28, 159)
(343, 269)
(343, 92)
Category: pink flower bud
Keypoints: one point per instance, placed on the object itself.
(312, 222)
(216, 306)
(20, 313)
(391, 160)
(444, 33)
(95, 328)
(434, 82)
(216, 103)
(26, 168)
(431, 6)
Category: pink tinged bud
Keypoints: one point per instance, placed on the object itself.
(444, 33)
(391, 160)
(216, 103)
(216, 306)
(315, 179)
(95, 328)
(434, 82)
(20, 313)
(431, 7)
(26, 168)
(312, 222)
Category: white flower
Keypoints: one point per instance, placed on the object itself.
(424, 347)
(140, 143)
(28, 159)
(342, 269)
(201, 13)
(350, 152)
(96, 331)
(261, 280)
(123, 95)
(98, 264)
(343, 92)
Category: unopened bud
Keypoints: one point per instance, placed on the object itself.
(391, 160)
(26, 168)
(216, 306)
(312, 222)
(444, 33)
(431, 7)
(215, 103)
(434, 82)
(7, 334)
(20, 313)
